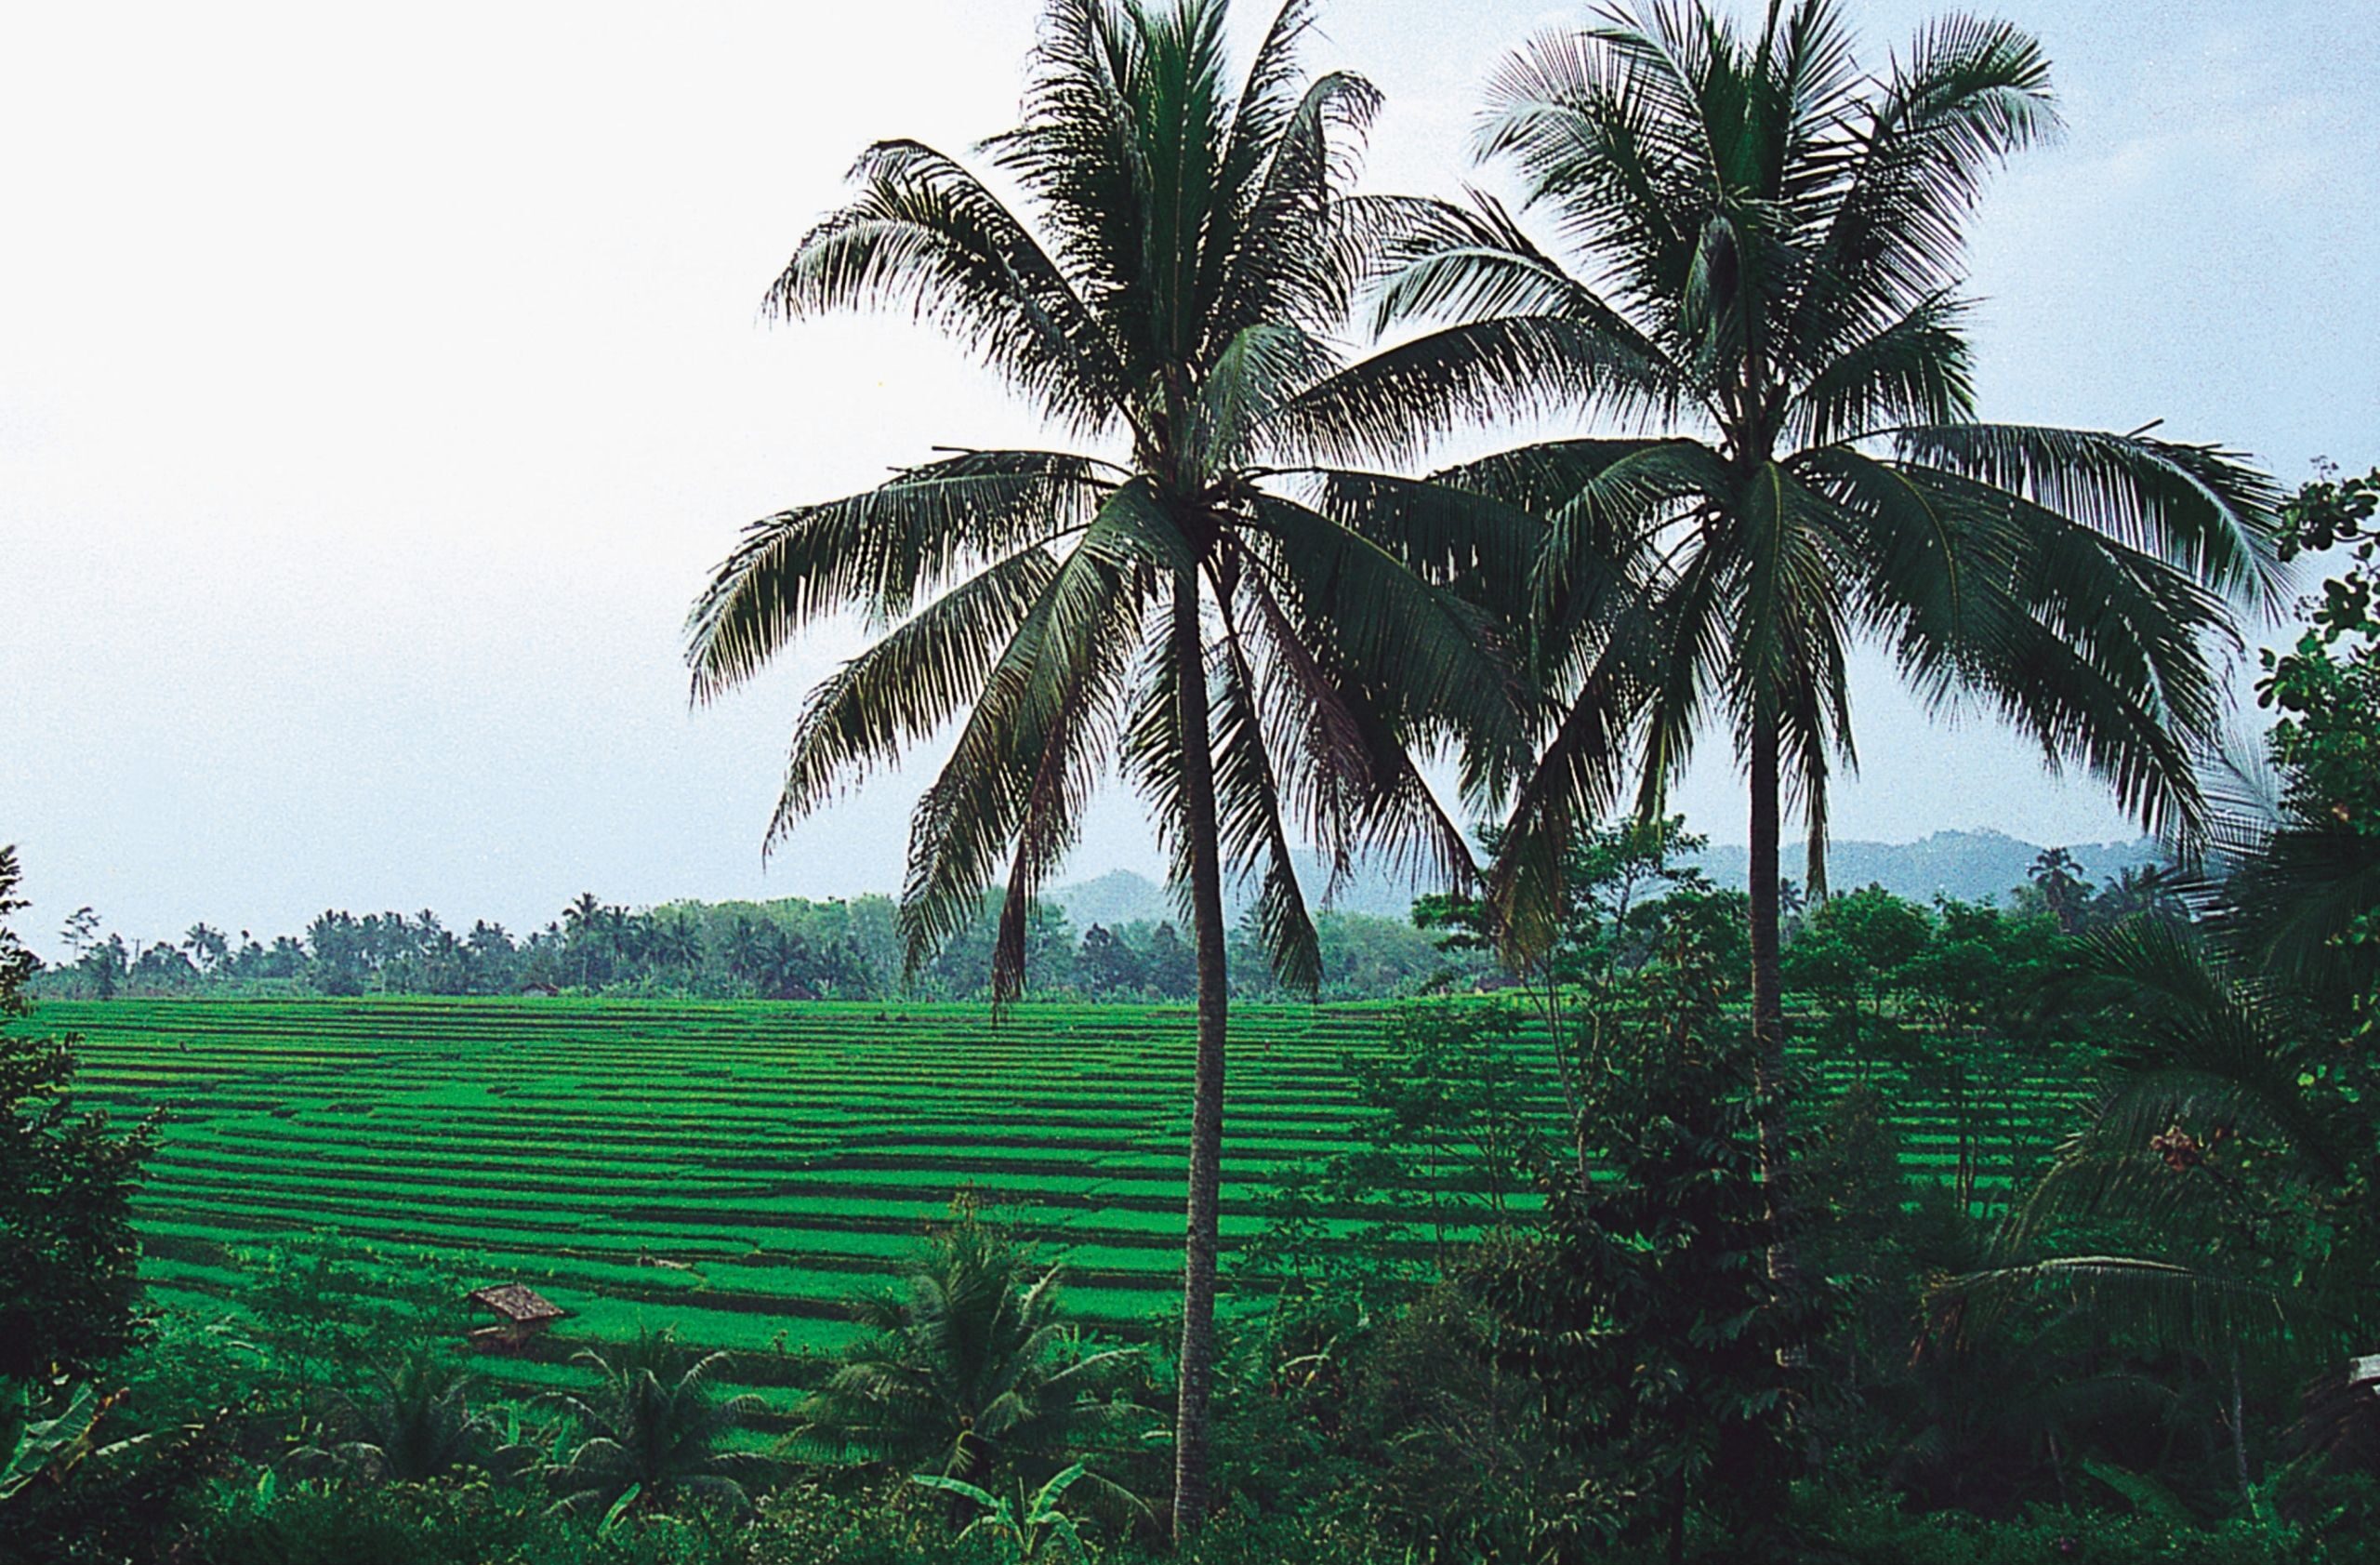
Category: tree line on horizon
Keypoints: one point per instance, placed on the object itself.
(796, 949)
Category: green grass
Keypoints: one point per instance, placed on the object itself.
(783, 1155)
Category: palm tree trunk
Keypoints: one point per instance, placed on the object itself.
(1768, 1005)
(1200, 1242)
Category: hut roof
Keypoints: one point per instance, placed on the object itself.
(518, 1303)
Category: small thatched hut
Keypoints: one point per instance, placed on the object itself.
(521, 1312)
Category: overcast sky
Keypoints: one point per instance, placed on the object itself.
(378, 386)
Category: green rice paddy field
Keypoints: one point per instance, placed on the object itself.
(732, 1171)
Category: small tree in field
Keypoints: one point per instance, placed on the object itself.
(68, 1261)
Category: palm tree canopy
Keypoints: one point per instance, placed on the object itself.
(1185, 253)
(968, 1364)
(1764, 254)
(2226, 1070)
(651, 1422)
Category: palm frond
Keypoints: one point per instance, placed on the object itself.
(2200, 1310)
(1248, 804)
(1972, 93)
(1428, 660)
(908, 685)
(1290, 257)
(1025, 756)
(1916, 370)
(1390, 407)
(2197, 508)
(926, 234)
(879, 551)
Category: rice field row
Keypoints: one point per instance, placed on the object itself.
(734, 1170)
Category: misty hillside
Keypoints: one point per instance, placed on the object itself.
(1970, 866)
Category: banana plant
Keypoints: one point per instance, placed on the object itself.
(31, 1446)
(1029, 1528)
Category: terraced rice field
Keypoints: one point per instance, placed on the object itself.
(732, 1171)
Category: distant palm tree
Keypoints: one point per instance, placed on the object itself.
(592, 927)
(1206, 606)
(1768, 248)
(2137, 889)
(675, 943)
(2060, 879)
(207, 946)
(652, 1424)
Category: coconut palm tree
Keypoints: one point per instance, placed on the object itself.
(1198, 604)
(2227, 1157)
(652, 1427)
(2063, 890)
(969, 1366)
(1764, 254)
(417, 1423)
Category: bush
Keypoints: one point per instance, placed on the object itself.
(1874, 1531)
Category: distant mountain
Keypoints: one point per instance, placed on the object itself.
(1117, 898)
(1970, 866)
(1121, 897)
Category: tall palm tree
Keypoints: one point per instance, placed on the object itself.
(1201, 605)
(1766, 256)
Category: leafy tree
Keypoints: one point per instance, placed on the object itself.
(1853, 956)
(1107, 964)
(163, 967)
(1642, 1308)
(69, 1260)
(1768, 253)
(1623, 897)
(1979, 1032)
(2309, 880)
(1452, 1104)
(338, 1313)
(1172, 969)
(1255, 644)
(339, 953)
(104, 966)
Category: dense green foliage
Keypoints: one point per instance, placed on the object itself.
(68, 1261)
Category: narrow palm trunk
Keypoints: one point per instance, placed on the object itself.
(1768, 1005)
(1199, 1244)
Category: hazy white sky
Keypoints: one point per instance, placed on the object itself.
(377, 385)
